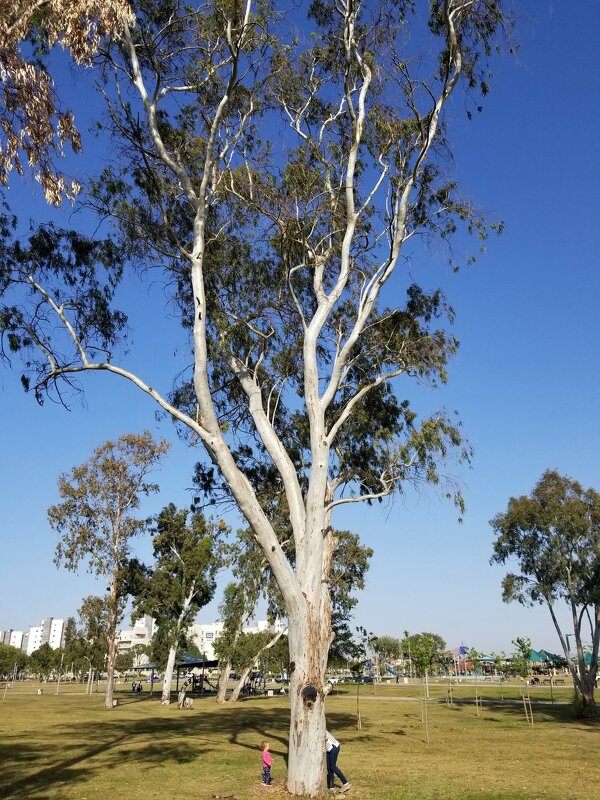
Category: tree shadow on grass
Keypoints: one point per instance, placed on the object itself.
(68, 753)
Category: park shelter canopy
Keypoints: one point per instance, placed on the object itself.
(553, 658)
(537, 657)
(188, 661)
(587, 657)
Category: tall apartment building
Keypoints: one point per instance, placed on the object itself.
(56, 635)
(140, 633)
(34, 639)
(49, 631)
(205, 635)
(5, 637)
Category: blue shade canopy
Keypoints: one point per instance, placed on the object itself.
(190, 660)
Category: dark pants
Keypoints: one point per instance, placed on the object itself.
(266, 776)
(333, 769)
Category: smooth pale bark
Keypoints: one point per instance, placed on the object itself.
(309, 645)
(584, 680)
(590, 709)
(168, 677)
(112, 648)
(233, 698)
(223, 681)
(244, 676)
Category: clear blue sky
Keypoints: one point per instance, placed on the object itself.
(525, 380)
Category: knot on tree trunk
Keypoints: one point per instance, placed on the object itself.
(309, 695)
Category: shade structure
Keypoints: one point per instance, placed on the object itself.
(190, 660)
(587, 657)
(537, 657)
(553, 658)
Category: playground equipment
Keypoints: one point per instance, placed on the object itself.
(389, 669)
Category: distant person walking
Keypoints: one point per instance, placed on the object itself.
(333, 750)
(267, 760)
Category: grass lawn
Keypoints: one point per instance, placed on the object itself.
(67, 746)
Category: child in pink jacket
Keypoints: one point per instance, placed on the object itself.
(267, 760)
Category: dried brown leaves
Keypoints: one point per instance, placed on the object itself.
(32, 128)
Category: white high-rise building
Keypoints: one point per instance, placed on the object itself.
(16, 639)
(141, 633)
(57, 628)
(34, 641)
(50, 631)
(205, 635)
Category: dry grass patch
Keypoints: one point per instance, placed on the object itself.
(58, 748)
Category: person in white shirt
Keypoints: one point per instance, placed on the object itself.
(333, 750)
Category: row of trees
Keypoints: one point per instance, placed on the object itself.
(84, 651)
(553, 534)
(97, 520)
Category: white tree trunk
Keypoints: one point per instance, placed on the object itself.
(168, 677)
(223, 681)
(308, 659)
(110, 667)
(240, 685)
(112, 645)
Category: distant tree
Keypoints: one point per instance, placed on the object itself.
(521, 657)
(139, 653)
(181, 581)
(43, 661)
(249, 649)
(349, 564)
(94, 616)
(70, 631)
(554, 537)
(387, 649)
(124, 661)
(79, 655)
(499, 663)
(96, 519)
(234, 610)
(474, 656)
(425, 649)
(158, 648)
(362, 648)
(277, 658)
(192, 648)
(388, 646)
(11, 657)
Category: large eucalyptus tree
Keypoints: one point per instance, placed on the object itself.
(278, 169)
